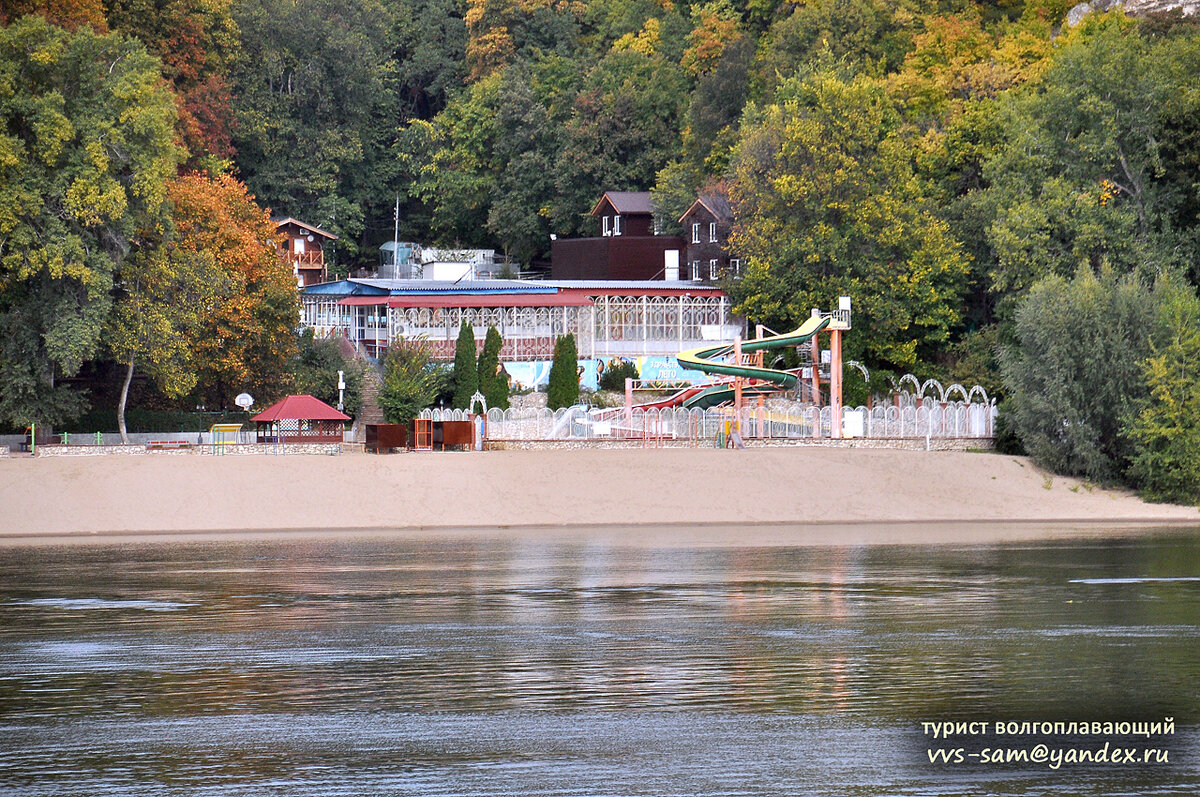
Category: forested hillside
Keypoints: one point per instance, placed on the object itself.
(937, 161)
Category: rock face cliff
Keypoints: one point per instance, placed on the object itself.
(1134, 8)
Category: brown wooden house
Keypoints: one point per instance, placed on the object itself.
(303, 249)
(625, 247)
(706, 227)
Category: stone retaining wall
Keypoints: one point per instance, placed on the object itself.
(206, 450)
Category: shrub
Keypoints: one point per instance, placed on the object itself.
(493, 382)
(314, 371)
(563, 387)
(1165, 433)
(1076, 373)
(466, 374)
(410, 381)
(614, 376)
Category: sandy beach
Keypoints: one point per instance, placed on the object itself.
(708, 492)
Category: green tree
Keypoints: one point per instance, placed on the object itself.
(315, 371)
(492, 383)
(316, 111)
(452, 164)
(1081, 177)
(163, 295)
(563, 388)
(466, 369)
(86, 153)
(1165, 433)
(410, 381)
(197, 42)
(828, 204)
(624, 129)
(1075, 372)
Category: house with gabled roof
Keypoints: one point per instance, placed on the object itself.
(706, 228)
(303, 249)
(625, 246)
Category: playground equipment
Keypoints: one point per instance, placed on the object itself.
(743, 360)
(224, 435)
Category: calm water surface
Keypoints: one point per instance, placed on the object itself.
(380, 665)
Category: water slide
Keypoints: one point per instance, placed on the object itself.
(708, 359)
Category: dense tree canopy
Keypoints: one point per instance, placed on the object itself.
(86, 154)
(829, 205)
(950, 166)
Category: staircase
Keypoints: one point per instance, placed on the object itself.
(372, 383)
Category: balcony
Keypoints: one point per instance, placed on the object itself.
(314, 259)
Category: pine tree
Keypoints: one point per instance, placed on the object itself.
(466, 375)
(492, 385)
(563, 389)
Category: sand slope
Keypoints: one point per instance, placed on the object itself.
(505, 488)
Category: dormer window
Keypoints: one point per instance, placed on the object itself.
(607, 228)
(712, 232)
(696, 232)
(617, 224)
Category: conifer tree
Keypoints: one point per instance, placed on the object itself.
(466, 375)
(492, 384)
(563, 388)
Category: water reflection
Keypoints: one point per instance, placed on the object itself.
(492, 665)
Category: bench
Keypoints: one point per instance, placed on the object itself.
(161, 445)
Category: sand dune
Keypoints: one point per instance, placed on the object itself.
(705, 488)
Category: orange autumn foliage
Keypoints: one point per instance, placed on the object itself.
(246, 342)
(69, 14)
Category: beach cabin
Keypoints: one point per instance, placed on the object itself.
(300, 419)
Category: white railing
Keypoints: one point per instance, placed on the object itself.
(935, 421)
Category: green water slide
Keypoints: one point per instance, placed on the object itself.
(708, 359)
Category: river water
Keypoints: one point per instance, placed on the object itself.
(318, 665)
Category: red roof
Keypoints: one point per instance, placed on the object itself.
(300, 408)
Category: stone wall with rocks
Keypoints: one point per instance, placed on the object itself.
(326, 449)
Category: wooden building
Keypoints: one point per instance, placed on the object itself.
(706, 227)
(625, 247)
(303, 248)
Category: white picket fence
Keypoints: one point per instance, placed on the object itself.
(934, 420)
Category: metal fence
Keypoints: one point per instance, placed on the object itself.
(935, 420)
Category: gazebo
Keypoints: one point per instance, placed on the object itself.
(300, 419)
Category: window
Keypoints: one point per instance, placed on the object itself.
(695, 269)
(735, 266)
(712, 232)
(617, 224)
(607, 229)
(712, 269)
(696, 232)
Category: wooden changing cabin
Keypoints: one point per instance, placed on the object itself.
(300, 419)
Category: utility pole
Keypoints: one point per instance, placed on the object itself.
(396, 240)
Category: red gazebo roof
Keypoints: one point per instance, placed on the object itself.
(302, 407)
